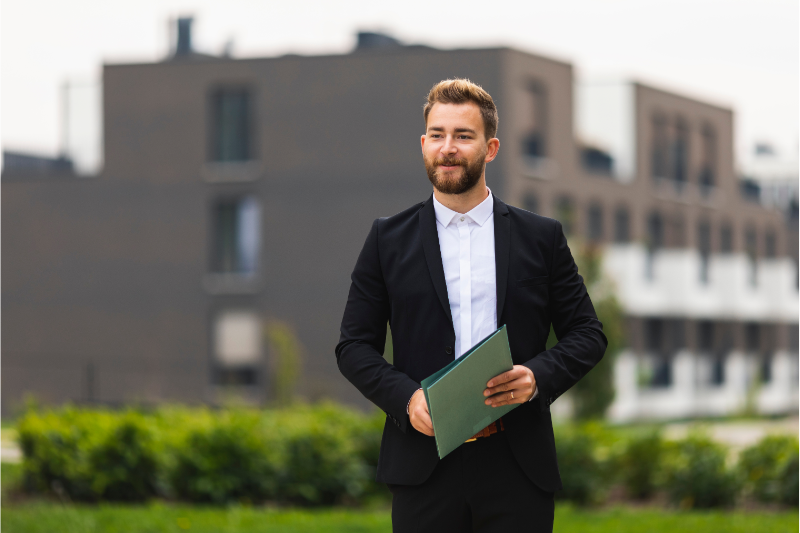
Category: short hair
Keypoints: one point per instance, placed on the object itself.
(460, 91)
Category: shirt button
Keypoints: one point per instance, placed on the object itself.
(448, 350)
(462, 219)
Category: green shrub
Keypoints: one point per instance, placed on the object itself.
(698, 475)
(88, 455)
(321, 460)
(640, 464)
(768, 471)
(224, 458)
(581, 471)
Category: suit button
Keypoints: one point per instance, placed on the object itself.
(448, 350)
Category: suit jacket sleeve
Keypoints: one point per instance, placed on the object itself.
(363, 337)
(581, 342)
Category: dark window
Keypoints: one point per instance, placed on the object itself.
(766, 368)
(705, 336)
(565, 213)
(752, 337)
(655, 240)
(751, 249)
(597, 161)
(236, 230)
(654, 335)
(726, 239)
(530, 202)
(769, 245)
(750, 190)
(707, 177)
(680, 154)
(659, 154)
(718, 370)
(676, 335)
(231, 125)
(594, 221)
(534, 114)
(622, 225)
(655, 343)
(704, 247)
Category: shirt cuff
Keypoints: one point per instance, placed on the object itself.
(535, 393)
(409, 401)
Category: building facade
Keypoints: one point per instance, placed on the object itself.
(239, 192)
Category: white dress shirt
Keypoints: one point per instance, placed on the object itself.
(467, 246)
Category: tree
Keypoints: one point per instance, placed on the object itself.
(593, 394)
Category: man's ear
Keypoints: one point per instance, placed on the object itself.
(422, 142)
(493, 146)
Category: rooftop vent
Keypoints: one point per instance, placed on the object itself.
(368, 40)
(183, 44)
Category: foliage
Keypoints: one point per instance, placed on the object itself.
(89, 455)
(287, 354)
(698, 475)
(580, 468)
(640, 464)
(594, 393)
(770, 469)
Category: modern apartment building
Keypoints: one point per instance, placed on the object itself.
(239, 191)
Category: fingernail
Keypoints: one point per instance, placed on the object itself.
(488, 402)
(490, 384)
(486, 393)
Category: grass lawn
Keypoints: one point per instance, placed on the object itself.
(44, 516)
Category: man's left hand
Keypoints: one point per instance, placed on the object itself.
(518, 382)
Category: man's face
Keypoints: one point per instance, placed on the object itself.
(455, 148)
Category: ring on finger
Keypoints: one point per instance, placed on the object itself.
(512, 394)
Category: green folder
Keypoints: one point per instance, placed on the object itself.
(455, 393)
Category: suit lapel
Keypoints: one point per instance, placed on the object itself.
(433, 254)
(502, 249)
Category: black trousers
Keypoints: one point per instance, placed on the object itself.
(478, 487)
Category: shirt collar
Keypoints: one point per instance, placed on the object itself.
(478, 214)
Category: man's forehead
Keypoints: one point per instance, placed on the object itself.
(450, 115)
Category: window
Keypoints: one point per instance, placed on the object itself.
(236, 230)
(704, 247)
(622, 225)
(752, 337)
(534, 112)
(705, 336)
(594, 229)
(765, 372)
(707, 177)
(718, 370)
(530, 202)
(237, 347)
(231, 125)
(659, 156)
(565, 213)
(661, 364)
(680, 154)
(655, 240)
(750, 247)
(597, 161)
(726, 239)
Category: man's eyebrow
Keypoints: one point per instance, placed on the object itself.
(457, 130)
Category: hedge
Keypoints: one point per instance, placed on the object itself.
(327, 454)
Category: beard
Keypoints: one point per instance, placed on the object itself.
(461, 180)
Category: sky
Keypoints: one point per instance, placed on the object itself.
(738, 54)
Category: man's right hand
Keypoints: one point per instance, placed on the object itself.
(419, 415)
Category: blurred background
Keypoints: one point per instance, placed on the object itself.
(179, 175)
(186, 186)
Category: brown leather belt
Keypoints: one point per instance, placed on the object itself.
(491, 429)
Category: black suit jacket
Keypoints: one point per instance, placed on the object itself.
(399, 279)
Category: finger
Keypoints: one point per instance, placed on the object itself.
(505, 398)
(520, 384)
(422, 421)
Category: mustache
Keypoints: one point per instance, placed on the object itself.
(451, 161)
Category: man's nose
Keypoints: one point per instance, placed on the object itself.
(449, 146)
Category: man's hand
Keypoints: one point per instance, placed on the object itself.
(517, 382)
(419, 415)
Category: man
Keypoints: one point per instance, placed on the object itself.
(444, 274)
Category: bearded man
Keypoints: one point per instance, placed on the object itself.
(445, 274)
